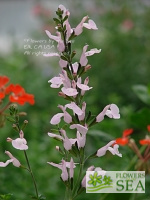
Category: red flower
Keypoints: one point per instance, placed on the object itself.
(19, 95)
(124, 140)
(127, 132)
(3, 81)
(148, 128)
(145, 142)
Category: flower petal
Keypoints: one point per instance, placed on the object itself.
(75, 108)
(56, 118)
(69, 91)
(80, 128)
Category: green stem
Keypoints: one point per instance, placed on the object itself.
(31, 173)
(5, 107)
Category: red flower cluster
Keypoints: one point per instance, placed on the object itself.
(16, 93)
(124, 140)
(3, 81)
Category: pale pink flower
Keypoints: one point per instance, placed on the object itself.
(83, 58)
(63, 166)
(67, 116)
(69, 91)
(13, 160)
(64, 174)
(83, 182)
(83, 87)
(59, 137)
(66, 80)
(112, 113)
(113, 150)
(56, 82)
(67, 142)
(92, 52)
(56, 118)
(81, 139)
(79, 29)
(63, 63)
(80, 128)
(60, 46)
(75, 67)
(75, 108)
(90, 25)
(81, 117)
(19, 143)
(71, 172)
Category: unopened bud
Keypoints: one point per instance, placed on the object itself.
(74, 84)
(22, 114)
(26, 121)
(61, 94)
(86, 68)
(57, 148)
(9, 139)
(21, 134)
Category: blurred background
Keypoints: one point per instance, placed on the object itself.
(120, 74)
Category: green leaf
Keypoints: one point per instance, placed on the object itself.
(57, 21)
(5, 196)
(142, 93)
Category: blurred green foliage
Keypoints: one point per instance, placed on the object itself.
(124, 37)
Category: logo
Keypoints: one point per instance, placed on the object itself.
(115, 181)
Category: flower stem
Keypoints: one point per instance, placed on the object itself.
(5, 107)
(31, 173)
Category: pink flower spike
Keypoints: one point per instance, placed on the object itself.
(79, 29)
(92, 52)
(75, 108)
(56, 82)
(90, 25)
(80, 128)
(102, 150)
(114, 150)
(56, 118)
(113, 112)
(55, 136)
(69, 91)
(83, 58)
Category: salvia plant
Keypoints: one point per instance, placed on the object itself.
(74, 120)
(74, 114)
